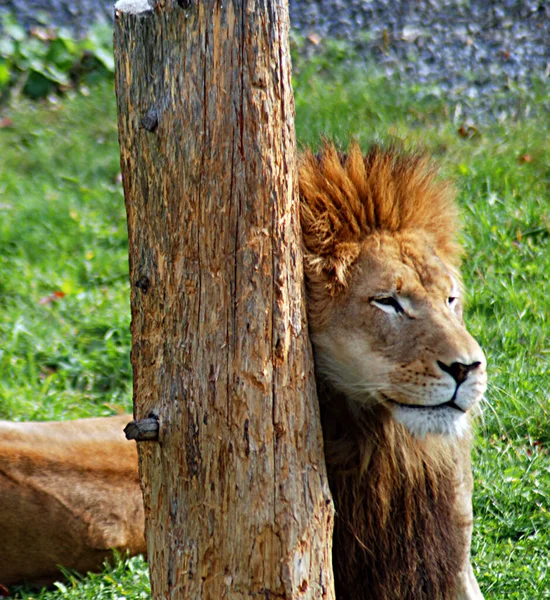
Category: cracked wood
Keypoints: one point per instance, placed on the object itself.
(236, 497)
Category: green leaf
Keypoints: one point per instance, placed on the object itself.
(60, 55)
(7, 47)
(15, 31)
(37, 85)
(105, 58)
(5, 73)
(57, 75)
(32, 48)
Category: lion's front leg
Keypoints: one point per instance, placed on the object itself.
(468, 587)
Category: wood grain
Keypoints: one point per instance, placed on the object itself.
(236, 496)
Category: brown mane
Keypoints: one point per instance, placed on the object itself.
(399, 533)
(346, 197)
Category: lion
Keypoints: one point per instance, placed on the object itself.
(398, 375)
(69, 494)
(398, 379)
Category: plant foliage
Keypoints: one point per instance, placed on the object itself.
(45, 60)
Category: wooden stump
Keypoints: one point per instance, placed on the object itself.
(235, 489)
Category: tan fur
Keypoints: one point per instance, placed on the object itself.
(385, 224)
(69, 494)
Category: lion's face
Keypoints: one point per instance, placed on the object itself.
(396, 337)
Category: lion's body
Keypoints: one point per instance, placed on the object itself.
(69, 494)
(396, 373)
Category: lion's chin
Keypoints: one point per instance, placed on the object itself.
(420, 422)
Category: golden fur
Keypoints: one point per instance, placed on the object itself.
(69, 494)
(385, 222)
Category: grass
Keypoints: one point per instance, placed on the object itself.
(121, 578)
(63, 231)
(64, 314)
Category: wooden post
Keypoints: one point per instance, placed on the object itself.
(236, 497)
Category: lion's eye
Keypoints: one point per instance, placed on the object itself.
(388, 304)
(452, 302)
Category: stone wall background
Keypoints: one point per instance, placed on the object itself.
(470, 52)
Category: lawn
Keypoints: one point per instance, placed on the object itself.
(64, 294)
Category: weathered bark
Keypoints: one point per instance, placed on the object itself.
(236, 497)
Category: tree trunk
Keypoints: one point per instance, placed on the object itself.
(236, 497)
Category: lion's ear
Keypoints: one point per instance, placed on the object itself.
(332, 270)
(327, 276)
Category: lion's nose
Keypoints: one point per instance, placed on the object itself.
(457, 370)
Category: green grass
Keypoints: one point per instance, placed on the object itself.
(62, 229)
(121, 578)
